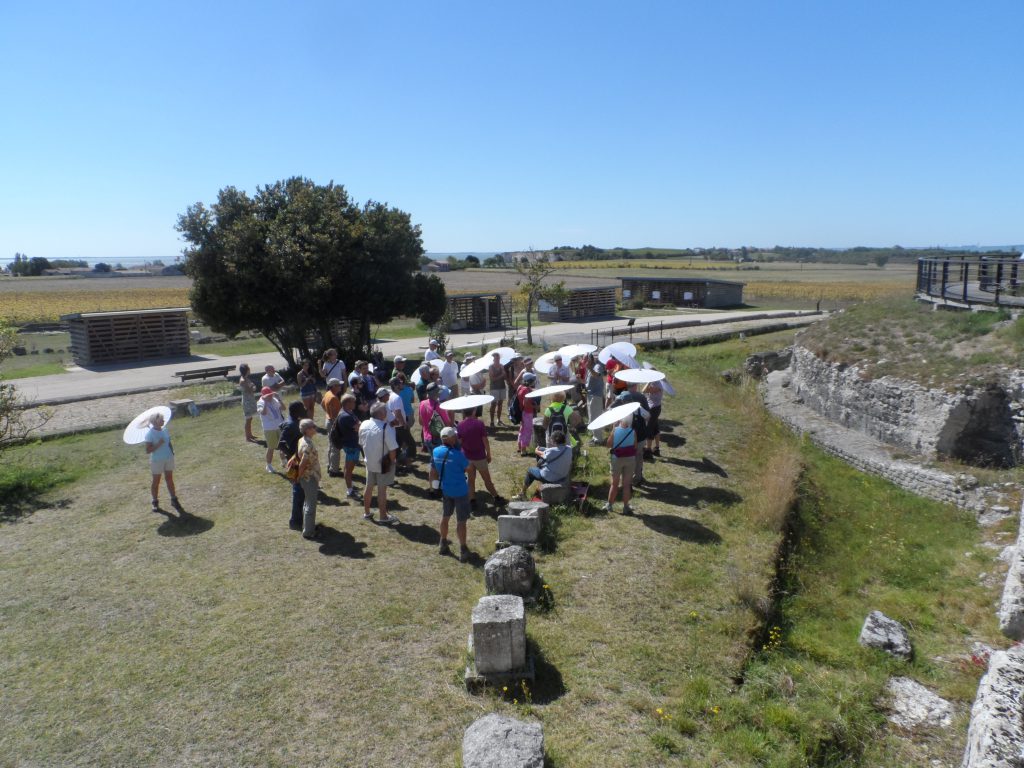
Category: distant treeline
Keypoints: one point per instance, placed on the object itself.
(858, 255)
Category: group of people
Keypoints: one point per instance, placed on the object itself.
(386, 418)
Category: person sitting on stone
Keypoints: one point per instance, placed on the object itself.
(554, 464)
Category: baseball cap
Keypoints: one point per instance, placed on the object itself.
(529, 378)
(450, 353)
(383, 394)
(399, 359)
(332, 382)
(266, 391)
(448, 432)
(432, 343)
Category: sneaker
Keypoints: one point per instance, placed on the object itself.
(270, 470)
(175, 503)
(464, 554)
(607, 508)
(352, 493)
(390, 520)
(657, 451)
(444, 548)
(295, 526)
(627, 511)
(155, 504)
(367, 515)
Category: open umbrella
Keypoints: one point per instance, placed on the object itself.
(570, 351)
(135, 432)
(416, 378)
(622, 351)
(550, 390)
(544, 363)
(479, 365)
(639, 376)
(665, 385)
(612, 416)
(466, 402)
(504, 352)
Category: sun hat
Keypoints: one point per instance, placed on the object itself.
(266, 391)
(450, 353)
(448, 432)
(399, 359)
(517, 356)
(432, 343)
(332, 382)
(383, 394)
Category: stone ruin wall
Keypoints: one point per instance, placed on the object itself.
(978, 426)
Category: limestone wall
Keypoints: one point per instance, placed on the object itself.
(979, 426)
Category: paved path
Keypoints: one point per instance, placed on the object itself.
(104, 381)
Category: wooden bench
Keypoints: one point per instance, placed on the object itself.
(205, 373)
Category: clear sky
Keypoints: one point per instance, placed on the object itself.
(504, 126)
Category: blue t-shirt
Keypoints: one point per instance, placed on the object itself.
(454, 463)
(624, 441)
(164, 452)
(407, 394)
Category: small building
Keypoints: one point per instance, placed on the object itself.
(480, 311)
(681, 292)
(581, 303)
(137, 334)
(437, 266)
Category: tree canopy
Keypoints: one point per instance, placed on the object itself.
(305, 266)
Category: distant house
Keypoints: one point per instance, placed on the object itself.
(437, 266)
(171, 271)
(681, 292)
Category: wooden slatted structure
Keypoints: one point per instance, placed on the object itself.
(116, 337)
(480, 311)
(581, 304)
(681, 292)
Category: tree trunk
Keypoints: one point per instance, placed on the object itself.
(529, 321)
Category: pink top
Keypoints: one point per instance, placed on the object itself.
(427, 411)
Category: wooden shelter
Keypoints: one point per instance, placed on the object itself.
(681, 292)
(137, 334)
(581, 303)
(480, 311)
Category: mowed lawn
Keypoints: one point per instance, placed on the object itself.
(129, 637)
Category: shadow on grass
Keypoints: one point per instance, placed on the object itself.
(548, 685)
(12, 510)
(704, 465)
(672, 441)
(335, 543)
(680, 528)
(182, 524)
(681, 496)
(419, 534)
(505, 436)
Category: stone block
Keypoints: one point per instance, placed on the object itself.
(912, 705)
(885, 634)
(515, 529)
(996, 732)
(522, 507)
(497, 741)
(510, 571)
(499, 634)
(555, 493)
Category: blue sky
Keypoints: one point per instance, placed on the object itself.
(503, 126)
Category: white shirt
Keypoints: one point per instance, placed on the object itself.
(272, 380)
(374, 437)
(271, 411)
(560, 374)
(335, 370)
(396, 409)
(432, 354)
(450, 373)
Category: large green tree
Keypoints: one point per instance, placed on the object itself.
(298, 261)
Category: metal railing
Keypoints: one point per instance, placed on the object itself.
(629, 329)
(979, 280)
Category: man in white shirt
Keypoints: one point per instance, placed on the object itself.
(432, 353)
(377, 439)
(560, 373)
(450, 373)
(272, 379)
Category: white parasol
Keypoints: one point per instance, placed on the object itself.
(639, 376)
(620, 350)
(544, 363)
(479, 365)
(550, 390)
(504, 352)
(466, 402)
(613, 416)
(576, 350)
(416, 378)
(135, 432)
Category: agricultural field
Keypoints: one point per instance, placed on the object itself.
(44, 299)
(220, 637)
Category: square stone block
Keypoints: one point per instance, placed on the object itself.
(521, 508)
(499, 634)
(518, 530)
(555, 493)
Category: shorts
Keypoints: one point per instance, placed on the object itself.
(352, 454)
(653, 426)
(498, 393)
(457, 504)
(273, 437)
(623, 468)
(479, 465)
(379, 479)
(159, 467)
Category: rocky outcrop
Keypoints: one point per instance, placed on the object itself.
(1011, 606)
(983, 427)
(885, 634)
(996, 735)
(912, 705)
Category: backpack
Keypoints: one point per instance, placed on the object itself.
(556, 420)
(639, 426)
(515, 410)
(434, 426)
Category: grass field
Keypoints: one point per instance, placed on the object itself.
(221, 638)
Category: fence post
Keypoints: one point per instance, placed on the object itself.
(966, 269)
(999, 278)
